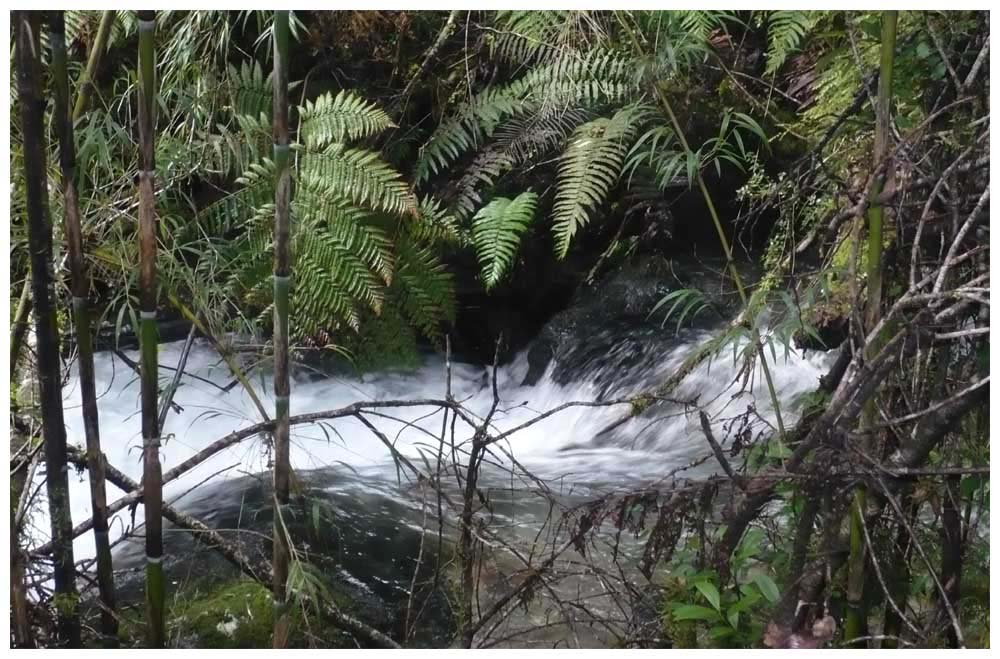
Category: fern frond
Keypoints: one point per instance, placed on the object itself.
(240, 207)
(526, 36)
(424, 288)
(785, 31)
(468, 127)
(338, 118)
(581, 79)
(346, 224)
(588, 169)
(250, 90)
(360, 176)
(496, 233)
(342, 267)
(700, 23)
(235, 149)
(518, 141)
(571, 80)
(433, 224)
(318, 301)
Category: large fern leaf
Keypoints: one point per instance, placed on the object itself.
(467, 128)
(496, 233)
(339, 118)
(348, 225)
(360, 176)
(785, 32)
(424, 288)
(238, 208)
(518, 141)
(433, 225)
(526, 36)
(571, 80)
(250, 90)
(589, 167)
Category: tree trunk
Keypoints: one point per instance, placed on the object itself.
(29, 85)
(282, 272)
(80, 287)
(152, 472)
(855, 624)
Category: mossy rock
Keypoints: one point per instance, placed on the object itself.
(238, 614)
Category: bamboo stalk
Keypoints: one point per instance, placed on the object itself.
(856, 620)
(29, 85)
(282, 272)
(20, 325)
(86, 84)
(80, 286)
(22, 474)
(152, 477)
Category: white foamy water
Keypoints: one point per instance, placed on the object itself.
(560, 448)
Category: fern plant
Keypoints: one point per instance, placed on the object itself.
(573, 98)
(360, 235)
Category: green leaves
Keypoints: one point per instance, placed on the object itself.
(589, 167)
(250, 91)
(711, 593)
(690, 301)
(696, 612)
(767, 587)
(471, 123)
(496, 233)
(569, 81)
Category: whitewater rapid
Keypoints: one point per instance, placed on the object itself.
(560, 448)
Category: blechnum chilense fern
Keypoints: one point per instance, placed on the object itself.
(361, 238)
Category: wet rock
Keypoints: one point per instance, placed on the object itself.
(361, 544)
(611, 322)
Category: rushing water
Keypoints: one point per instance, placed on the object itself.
(347, 462)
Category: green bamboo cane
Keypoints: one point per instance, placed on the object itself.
(32, 107)
(282, 273)
(152, 471)
(19, 326)
(86, 83)
(855, 622)
(80, 287)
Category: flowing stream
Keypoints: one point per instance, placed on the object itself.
(375, 503)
